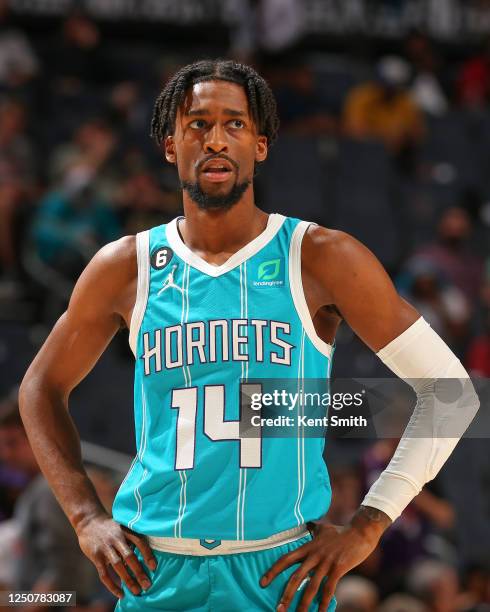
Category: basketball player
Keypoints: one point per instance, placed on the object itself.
(206, 519)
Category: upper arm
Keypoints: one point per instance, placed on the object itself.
(352, 278)
(94, 314)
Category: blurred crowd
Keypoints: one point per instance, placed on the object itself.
(78, 169)
(39, 550)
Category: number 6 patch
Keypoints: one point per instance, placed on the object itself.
(161, 257)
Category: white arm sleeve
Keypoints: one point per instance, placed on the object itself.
(443, 412)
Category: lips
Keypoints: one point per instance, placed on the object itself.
(217, 170)
(216, 165)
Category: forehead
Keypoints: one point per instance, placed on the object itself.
(216, 96)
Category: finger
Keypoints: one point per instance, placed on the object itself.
(328, 591)
(294, 582)
(143, 546)
(131, 560)
(311, 590)
(126, 577)
(134, 565)
(117, 563)
(107, 581)
(284, 562)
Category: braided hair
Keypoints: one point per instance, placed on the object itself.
(260, 97)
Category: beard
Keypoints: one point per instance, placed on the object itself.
(225, 201)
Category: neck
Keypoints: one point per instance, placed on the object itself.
(215, 232)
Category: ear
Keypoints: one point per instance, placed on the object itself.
(261, 149)
(169, 149)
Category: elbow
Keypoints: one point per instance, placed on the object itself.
(36, 391)
(27, 391)
(465, 410)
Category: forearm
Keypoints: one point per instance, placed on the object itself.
(371, 522)
(56, 444)
(446, 405)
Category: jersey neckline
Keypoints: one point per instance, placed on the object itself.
(274, 223)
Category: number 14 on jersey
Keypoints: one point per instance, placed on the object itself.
(216, 428)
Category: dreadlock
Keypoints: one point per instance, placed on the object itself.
(260, 97)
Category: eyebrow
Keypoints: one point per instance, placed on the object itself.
(203, 111)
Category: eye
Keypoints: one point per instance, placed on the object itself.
(237, 124)
(197, 124)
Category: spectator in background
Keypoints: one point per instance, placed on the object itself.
(355, 593)
(49, 557)
(17, 177)
(299, 104)
(437, 585)
(129, 112)
(400, 602)
(476, 581)
(478, 355)
(384, 110)
(79, 58)
(270, 26)
(442, 304)
(18, 61)
(77, 72)
(93, 150)
(281, 24)
(143, 203)
(12, 482)
(452, 255)
(427, 81)
(71, 224)
(473, 82)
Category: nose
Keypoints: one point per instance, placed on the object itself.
(216, 141)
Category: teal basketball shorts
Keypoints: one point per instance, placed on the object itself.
(216, 583)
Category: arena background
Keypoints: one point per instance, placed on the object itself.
(385, 133)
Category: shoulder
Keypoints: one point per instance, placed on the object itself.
(328, 245)
(123, 248)
(118, 257)
(110, 274)
(336, 258)
(328, 258)
(346, 272)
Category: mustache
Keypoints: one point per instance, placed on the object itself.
(217, 156)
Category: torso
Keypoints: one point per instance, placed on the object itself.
(200, 330)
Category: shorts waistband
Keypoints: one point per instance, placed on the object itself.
(209, 546)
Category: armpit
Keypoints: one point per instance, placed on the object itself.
(334, 310)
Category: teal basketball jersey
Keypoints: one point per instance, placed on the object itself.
(198, 331)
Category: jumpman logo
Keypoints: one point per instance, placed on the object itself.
(169, 281)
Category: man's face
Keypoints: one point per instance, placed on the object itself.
(215, 144)
(15, 450)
